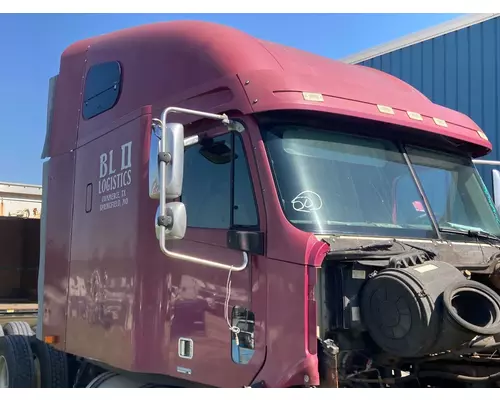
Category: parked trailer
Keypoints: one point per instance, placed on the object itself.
(222, 211)
(20, 207)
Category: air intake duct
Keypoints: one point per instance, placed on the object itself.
(415, 311)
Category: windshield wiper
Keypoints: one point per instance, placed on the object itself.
(380, 247)
(473, 233)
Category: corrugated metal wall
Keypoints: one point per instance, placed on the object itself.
(459, 70)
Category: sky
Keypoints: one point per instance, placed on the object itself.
(31, 45)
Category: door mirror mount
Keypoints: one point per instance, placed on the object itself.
(166, 169)
(249, 241)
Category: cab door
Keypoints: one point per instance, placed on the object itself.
(217, 332)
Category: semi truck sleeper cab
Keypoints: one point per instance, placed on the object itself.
(222, 211)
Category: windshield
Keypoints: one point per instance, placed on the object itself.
(334, 182)
(456, 193)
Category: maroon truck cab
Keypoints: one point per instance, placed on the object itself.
(271, 182)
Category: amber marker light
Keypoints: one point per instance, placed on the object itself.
(50, 339)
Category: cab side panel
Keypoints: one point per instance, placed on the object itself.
(58, 212)
(67, 100)
(105, 296)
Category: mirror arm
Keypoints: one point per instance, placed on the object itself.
(486, 162)
(163, 197)
(207, 263)
(223, 117)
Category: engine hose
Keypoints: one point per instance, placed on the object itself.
(494, 346)
(431, 374)
(460, 352)
(458, 377)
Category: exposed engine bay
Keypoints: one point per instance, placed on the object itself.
(397, 315)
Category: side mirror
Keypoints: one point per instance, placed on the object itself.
(176, 221)
(154, 167)
(175, 168)
(496, 188)
(166, 171)
(173, 154)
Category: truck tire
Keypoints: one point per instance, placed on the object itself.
(51, 365)
(18, 328)
(110, 379)
(17, 369)
(1, 331)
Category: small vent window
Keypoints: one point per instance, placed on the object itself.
(102, 88)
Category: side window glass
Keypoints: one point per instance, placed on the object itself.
(245, 210)
(102, 88)
(206, 187)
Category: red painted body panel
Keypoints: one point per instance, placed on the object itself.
(105, 279)
(68, 99)
(58, 242)
(128, 304)
(287, 326)
(194, 62)
(275, 91)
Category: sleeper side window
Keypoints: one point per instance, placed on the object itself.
(102, 88)
(207, 188)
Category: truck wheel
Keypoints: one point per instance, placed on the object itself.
(111, 379)
(16, 362)
(51, 365)
(1, 331)
(18, 328)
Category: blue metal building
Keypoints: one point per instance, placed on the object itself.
(455, 64)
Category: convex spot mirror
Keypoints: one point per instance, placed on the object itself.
(176, 214)
(174, 145)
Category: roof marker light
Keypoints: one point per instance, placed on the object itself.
(318, 97)
(440, 122)
(414, 115)
(385, 109)
(482, 135)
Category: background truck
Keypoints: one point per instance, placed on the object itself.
(20, 208)
(221, 211)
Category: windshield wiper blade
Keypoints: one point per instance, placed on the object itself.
(381, 246)
(367, 247)
(474, 233)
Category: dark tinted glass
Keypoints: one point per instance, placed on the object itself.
(102, 88)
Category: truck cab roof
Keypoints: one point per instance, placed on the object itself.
(208, 66)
